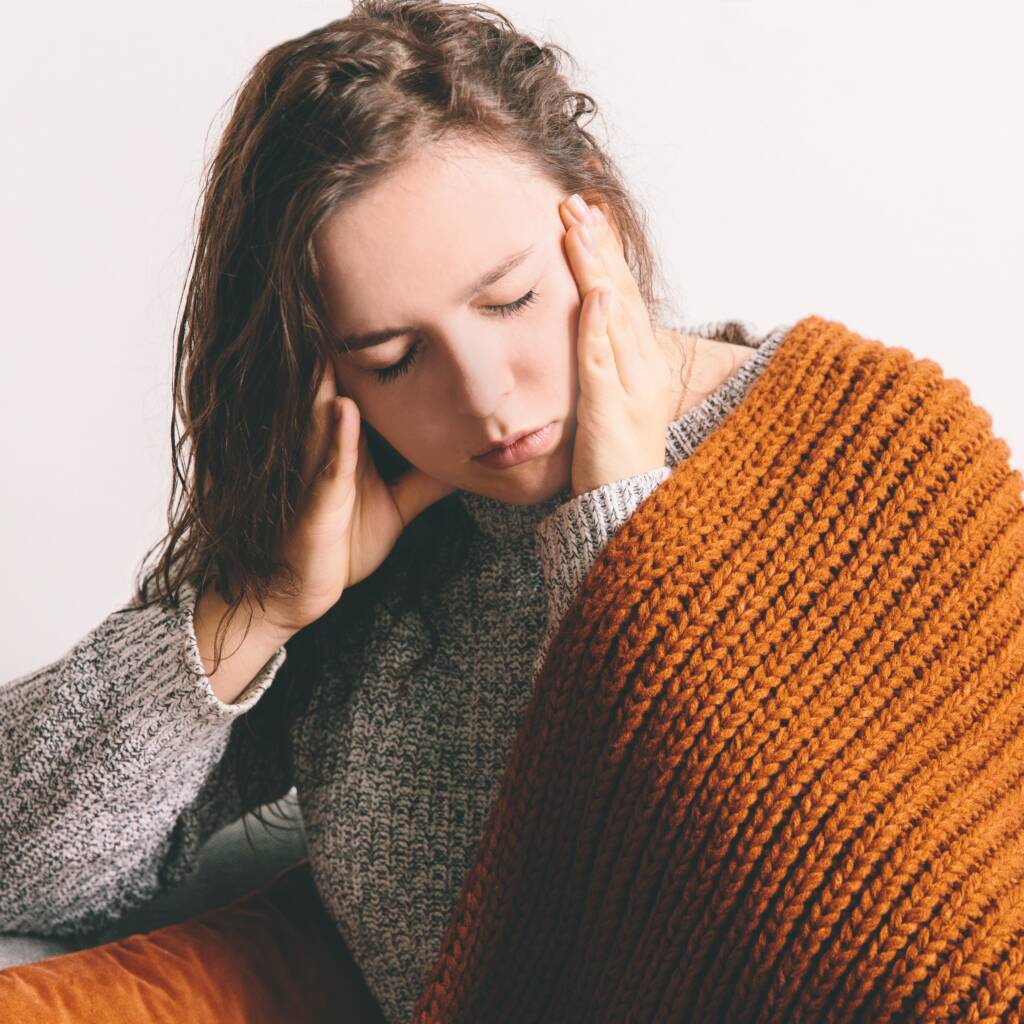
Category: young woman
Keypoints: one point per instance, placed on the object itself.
(406, 238)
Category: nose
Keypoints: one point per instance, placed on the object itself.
(479, 375)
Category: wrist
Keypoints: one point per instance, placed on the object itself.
(271, 627)
(273, 623)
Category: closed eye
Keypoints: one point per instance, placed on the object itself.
(389, 373)
(511, 308)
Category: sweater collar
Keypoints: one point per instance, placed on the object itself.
(504, 522)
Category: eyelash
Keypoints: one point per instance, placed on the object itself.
(389, 373)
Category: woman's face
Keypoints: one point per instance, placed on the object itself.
(408, 255)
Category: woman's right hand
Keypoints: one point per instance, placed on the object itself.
(348, 518)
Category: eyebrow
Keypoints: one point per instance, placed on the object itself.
(354, 342)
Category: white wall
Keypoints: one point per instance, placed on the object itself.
(860, 160)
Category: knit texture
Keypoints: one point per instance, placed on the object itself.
(118, 759)
(773, 766)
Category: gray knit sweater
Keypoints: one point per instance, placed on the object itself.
(112, 761)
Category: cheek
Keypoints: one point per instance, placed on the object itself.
(553, 362)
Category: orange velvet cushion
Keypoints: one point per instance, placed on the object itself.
(272, 956)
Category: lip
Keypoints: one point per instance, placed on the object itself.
(510, 440)
(526, 446)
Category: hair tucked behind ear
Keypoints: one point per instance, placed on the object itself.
(318, 121)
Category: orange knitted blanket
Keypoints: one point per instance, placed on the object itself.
(773, 767)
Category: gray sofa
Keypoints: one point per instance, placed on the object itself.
(228, 868)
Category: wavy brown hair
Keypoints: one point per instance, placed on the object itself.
(318, 121)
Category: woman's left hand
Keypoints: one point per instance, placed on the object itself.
(625, 397)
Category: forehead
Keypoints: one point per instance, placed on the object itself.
(433, 225)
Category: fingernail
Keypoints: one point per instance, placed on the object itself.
(579, 208)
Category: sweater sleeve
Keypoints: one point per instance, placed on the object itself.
(116, 765)
(570, 538)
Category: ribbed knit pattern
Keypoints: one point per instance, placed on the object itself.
(773, 766)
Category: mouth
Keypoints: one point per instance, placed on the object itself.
(509, 441)
(526, 446)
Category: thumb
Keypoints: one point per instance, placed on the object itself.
(347, 439)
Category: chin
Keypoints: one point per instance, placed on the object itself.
(530, 482)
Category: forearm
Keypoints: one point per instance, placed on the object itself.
(247, 646)
(109, 770)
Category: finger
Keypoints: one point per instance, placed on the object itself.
(604, 264)
(620, 323)
(568, 217)
(598, 374)
(591, 271)
(614, 255)
(587, 266)
(627, 291)
(610, 255)
(607, 247)
(346, 440)
(630, 360)
(321, 427)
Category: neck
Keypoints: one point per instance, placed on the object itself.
(681, 352)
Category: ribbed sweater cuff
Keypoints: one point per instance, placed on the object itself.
(208, 701)
(574, 534)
